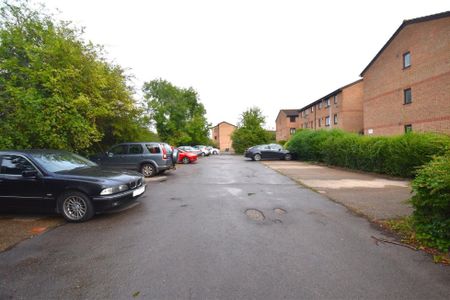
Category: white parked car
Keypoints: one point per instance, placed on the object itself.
(213, 151)
(204, 150)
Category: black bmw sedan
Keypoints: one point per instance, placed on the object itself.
(270, 151)
(51, 180)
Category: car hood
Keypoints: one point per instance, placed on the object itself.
(98, 174)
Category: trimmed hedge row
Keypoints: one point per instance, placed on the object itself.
(395, 155)
(432, 203)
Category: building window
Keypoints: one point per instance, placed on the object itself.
(407, 96)
(327, 121)
(335, 119)
(306, 124)
(292, 131)
(408, 128)
(406, 60)
(292, 119)
(320, 105)
(312, 108)
(327, 102)
(319, 121)
(215, 137)
(335, 99)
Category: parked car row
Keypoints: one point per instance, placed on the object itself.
(59, 181)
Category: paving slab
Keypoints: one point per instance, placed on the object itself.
(377, 197)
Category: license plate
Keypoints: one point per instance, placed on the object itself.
(139, 191)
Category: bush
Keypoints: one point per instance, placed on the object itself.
(432, 203)
(396, 155)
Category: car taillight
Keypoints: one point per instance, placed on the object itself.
(164, 152)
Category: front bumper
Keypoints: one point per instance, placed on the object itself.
(248, 154)
(103, 203)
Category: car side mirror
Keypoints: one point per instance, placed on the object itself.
(279, 149)
(29, 173)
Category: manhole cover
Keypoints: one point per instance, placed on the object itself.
(254, 214)
(280, 211)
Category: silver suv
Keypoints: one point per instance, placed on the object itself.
(147, 158)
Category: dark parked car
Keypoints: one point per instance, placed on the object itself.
(270, 151)
(147, 158)
(50, 180)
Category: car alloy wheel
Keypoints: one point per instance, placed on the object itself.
(257, 157)
(76, 207)
(148, 170)
(288, 156)
(185, 160)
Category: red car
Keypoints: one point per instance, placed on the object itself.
(186, 157)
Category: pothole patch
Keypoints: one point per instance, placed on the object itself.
(280, 211)
(277, 221)
(255, 214)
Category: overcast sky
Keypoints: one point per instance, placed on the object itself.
(240, 53)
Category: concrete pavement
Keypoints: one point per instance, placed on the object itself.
(374, 196)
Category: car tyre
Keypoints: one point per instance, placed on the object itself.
(257, 157)
(148, 170)
(288, 156)
(75, 206)
(185, 160)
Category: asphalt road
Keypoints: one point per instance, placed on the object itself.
(193, 238)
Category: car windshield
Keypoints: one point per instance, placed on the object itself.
(62, 161)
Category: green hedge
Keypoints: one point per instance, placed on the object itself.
(395, 155)
(432, 203)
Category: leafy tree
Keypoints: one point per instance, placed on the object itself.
(250, 130)
(178, 115)
(56, 90)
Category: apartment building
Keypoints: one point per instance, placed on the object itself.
(287, 122)
(221, 134)
(340, 109)
(407, 84)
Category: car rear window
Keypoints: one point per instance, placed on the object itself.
(153, 149)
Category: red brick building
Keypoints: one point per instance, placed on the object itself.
(407, 84)
(286, 123)
(221, 134)
(340, 109)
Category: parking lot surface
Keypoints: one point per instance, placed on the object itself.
(224, 228)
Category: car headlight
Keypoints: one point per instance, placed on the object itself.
(113, 190)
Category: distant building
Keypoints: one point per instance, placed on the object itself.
(340, 109)
(407, 84)
(221, 134)
(287, 123)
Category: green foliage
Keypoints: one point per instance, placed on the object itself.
(397, 155)
(177, 112)
(250, 131)
(432, 203)
(56, 91)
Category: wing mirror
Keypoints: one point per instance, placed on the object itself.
(29, 173)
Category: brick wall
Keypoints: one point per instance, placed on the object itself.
(283, 126)
(346, 104)
(221, 134)
(428, 77)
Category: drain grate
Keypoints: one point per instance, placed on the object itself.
(255, 214)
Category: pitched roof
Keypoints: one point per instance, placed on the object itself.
(330, 94)
(290, 112)
(404, 24)
(224, 122)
